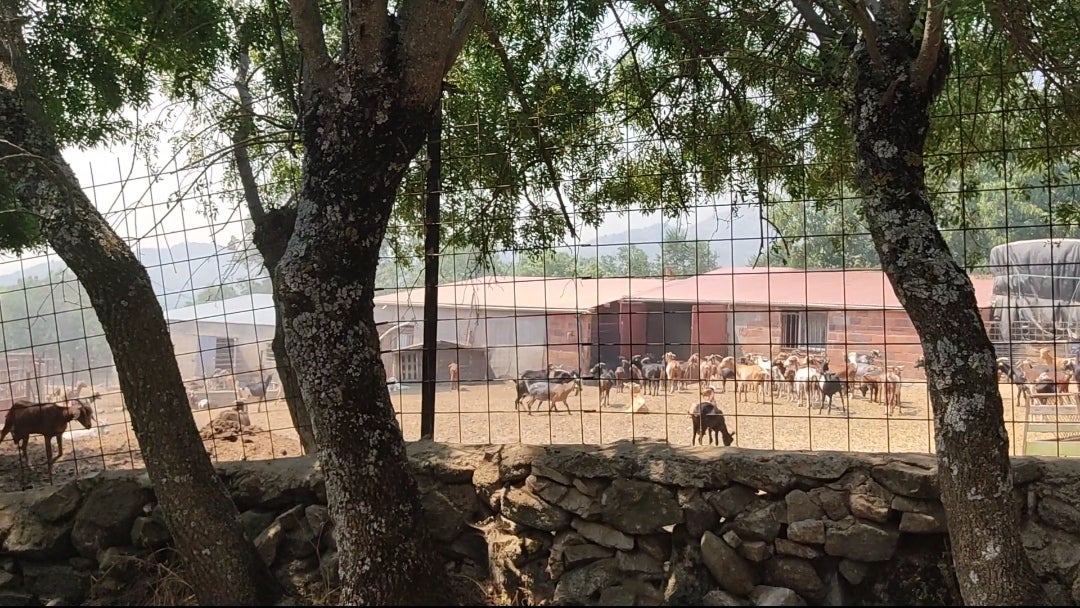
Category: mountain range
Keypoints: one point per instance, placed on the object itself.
(181, 271)
(177, 272)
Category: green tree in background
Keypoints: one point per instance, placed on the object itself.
(628, 261)
(975, 216)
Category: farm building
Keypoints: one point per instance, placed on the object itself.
(522, 322)
(232, 334)
(765, 310)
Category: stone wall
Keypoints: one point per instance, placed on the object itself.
(625, 524)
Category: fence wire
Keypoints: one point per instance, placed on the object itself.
(655, 308)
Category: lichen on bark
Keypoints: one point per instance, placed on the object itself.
(891, 117)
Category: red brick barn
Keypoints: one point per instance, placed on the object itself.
(733, 311)
(522, 323)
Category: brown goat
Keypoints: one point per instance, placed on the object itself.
(27, 418)
(455, 377)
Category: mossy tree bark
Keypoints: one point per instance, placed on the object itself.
(203, 520)
(364, 119)
(896, 78)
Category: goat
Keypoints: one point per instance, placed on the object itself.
(892, 388)
(750, 377)
(50, 420)
(690, 370)
(1015, 375)
(653, 375)
(256, 389)
(673, 372)
(806, 384)
(531, 375)
(830, 384)
(607, 380)
(455, 377)
(705, 416)
(554, 391)
(1047, 356)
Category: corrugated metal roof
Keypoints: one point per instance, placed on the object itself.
(525, 293)
(250, 309)
(793, 287)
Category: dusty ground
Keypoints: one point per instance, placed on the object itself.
(484, 413)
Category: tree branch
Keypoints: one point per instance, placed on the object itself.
(425, 36)
(816, 23)
(364, 29)
(245, 128)
(463, 25)
(859, 13)
(534, 120)
(279, 40)
(319, 71)
(933, 30)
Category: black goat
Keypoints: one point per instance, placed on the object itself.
(831, 384)
(705, 416)
(1018, 379)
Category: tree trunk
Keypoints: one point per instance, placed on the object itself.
(890, 118)
(272, 232)
(356, 153)
(222, 565)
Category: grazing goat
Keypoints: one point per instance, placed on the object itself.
(554, 391)
(705, 416)
(27, 418)
(455, 377)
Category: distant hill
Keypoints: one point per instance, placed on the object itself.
(175, 272)
(733, 241)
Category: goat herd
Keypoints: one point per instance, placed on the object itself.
(1052, 382)
(804, 378)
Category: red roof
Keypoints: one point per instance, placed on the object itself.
(795, 287)
(525, 293)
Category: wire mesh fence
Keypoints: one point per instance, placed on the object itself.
(722, 296)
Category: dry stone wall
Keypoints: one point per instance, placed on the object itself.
(625, 524)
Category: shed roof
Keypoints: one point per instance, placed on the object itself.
(525, 293)
(250, 309)
(794, 287)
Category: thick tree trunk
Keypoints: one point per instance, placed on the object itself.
(272, 232)
(223, 566)
(356, 153)
(890, 118)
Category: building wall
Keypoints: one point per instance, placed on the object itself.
(252, 346)
(711, 329)
(889, 331)
(515, 340)
(568, 334)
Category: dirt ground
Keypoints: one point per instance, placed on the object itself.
(484, 413)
